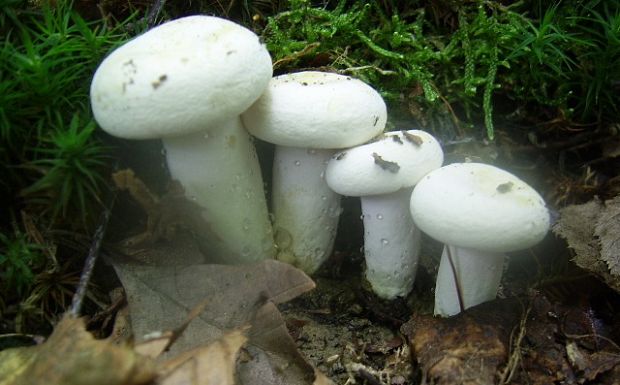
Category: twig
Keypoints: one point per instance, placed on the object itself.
(515, 357)
(91, 259)
(154, 12)
(296, 55)
(368, 67)
(596, 337)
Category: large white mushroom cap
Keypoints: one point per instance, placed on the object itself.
(481, 207)
(397, 160)
(316, 110)
(180, 77)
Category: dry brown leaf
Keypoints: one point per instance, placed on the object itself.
(585, 227)
(72, 356)
(160, 297)
(608, 232)
(166, 215)
(121, 331)
(155, 345)
(213, 364)
(482, 345)
(590, 364)
(273, 357)
(576, 225)
(321, 379)
(466, 349)
(161, 294)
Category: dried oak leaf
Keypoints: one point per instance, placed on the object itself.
(72, 356)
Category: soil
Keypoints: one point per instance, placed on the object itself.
(347, 337)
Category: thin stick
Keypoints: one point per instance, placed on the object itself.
(515, 347)
(91, 259)
(154, 12)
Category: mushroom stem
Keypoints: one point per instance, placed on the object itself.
(306, 210)
(219, 170)
(391, 243)
(478, 275)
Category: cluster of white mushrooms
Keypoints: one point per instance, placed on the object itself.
(204, 84)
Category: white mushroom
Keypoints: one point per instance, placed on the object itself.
(187, 81)
(383, 174)
(308, 115)
(479, 212)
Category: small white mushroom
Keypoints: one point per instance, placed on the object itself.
(186, 82)
(383, 174)
(308, 115)
(479, 212)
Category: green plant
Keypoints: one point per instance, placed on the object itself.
(52, 161)
(386, 51)
(19, 258)
(46, 61)
(400, 54)
(70, 163)
(601, 73)
(456, 57)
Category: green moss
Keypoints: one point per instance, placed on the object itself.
(454, 57)
(50, 150)
(53, 165)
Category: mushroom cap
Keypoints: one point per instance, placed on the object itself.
(397, 160)
(183, 76)
(478, 206)
(316, 110)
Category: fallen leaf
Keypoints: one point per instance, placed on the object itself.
(608, 232)
(520, 341)
(592, 231)
(165, 215)
(72, 356)
(158, 343)
(273, 357)
(466, 349)
(213, 364)
(590, 364)
(161, 292)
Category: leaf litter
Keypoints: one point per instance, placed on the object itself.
(198, 323)
(192, 322)
(244, 344)
(72, 356)
(530, 340)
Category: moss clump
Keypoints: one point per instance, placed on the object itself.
(453, 58)
(53, 166)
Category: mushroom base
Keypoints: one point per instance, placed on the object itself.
(219, 170)
(306, 210)
(478, 275)
(391, 243)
